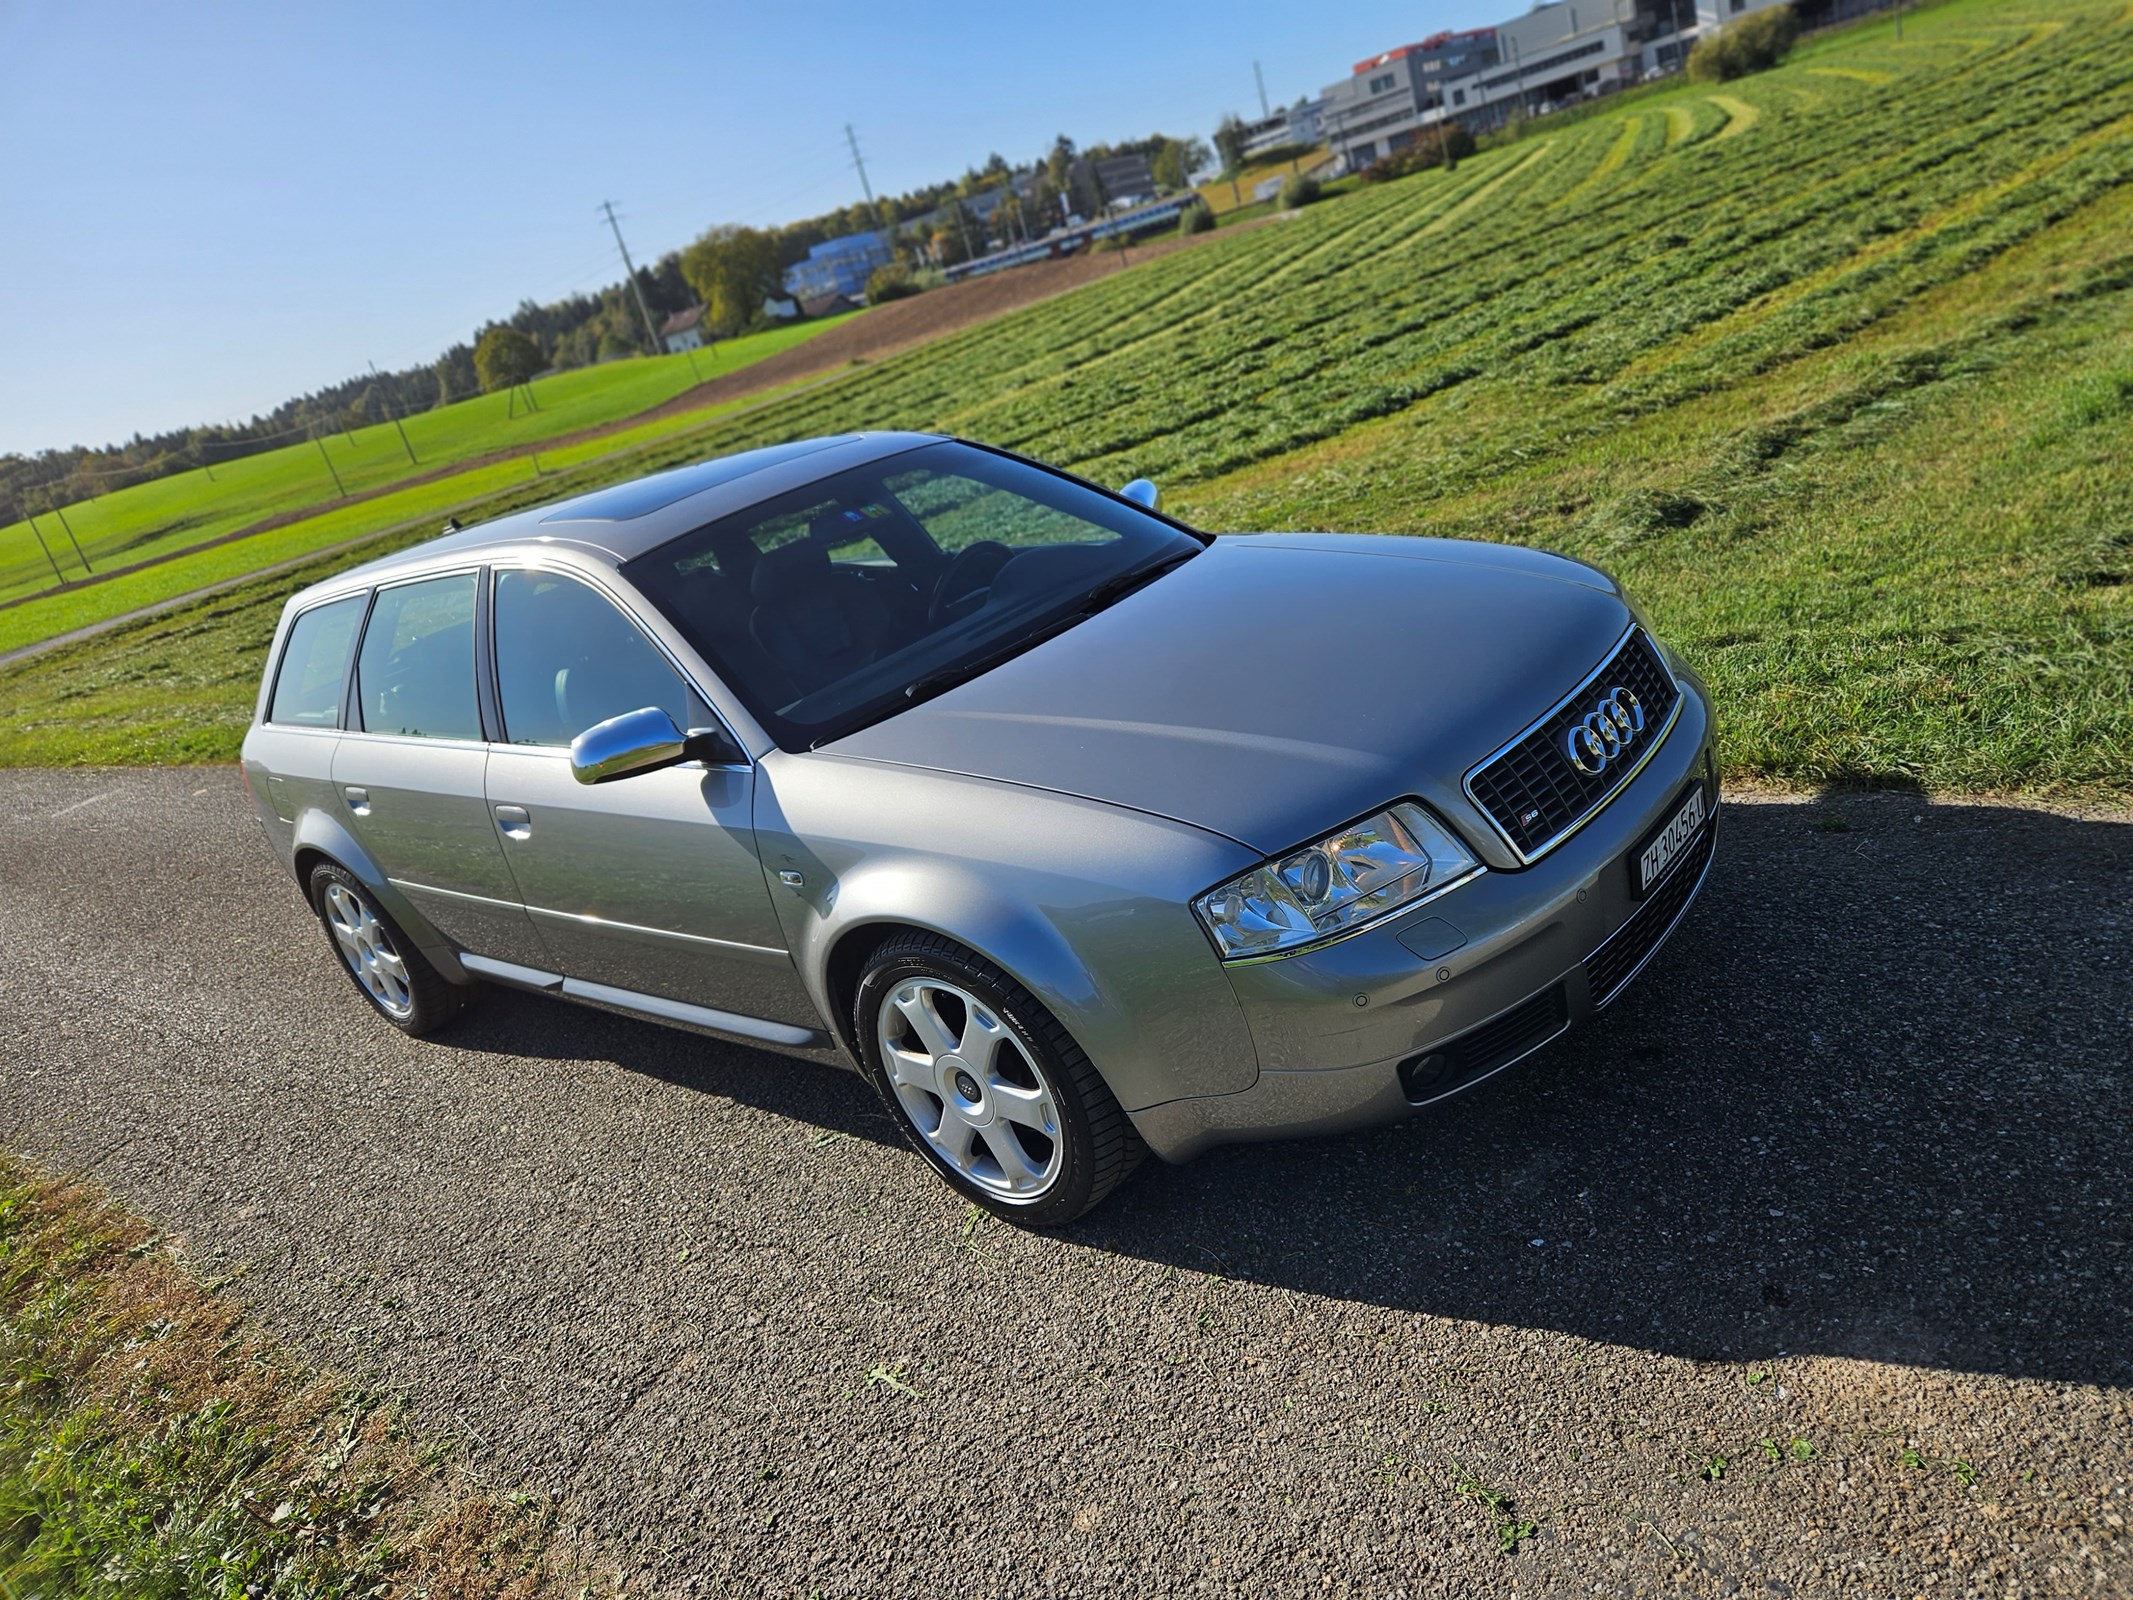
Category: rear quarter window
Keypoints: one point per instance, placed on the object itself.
(307, 686)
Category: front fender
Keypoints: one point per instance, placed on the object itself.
(1084, 904)
(321, 832)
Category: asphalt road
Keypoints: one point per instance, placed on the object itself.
(1847, 1173)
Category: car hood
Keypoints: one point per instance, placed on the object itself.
(1276, 686)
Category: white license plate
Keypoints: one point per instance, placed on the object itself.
(1661, 851)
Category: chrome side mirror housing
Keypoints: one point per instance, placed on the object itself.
(622, 747)
(644, 741)
(1142, 493)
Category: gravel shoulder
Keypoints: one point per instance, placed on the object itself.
(1847, 1172)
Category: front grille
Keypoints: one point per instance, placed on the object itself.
(1524, 1028)
(1611, 966)
(1532, 792)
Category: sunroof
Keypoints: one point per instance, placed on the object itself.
(662, 489)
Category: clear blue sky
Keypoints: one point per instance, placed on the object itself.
(212, 207)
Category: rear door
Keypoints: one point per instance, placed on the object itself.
(649, 884)
(410, 770)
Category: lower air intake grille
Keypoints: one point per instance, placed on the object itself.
(1611, 966)
(1525, 1027)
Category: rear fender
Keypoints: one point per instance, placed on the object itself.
(319, 833)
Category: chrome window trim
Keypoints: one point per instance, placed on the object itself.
(562, 569)
(1466, 784)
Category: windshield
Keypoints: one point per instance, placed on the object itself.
(832, 607)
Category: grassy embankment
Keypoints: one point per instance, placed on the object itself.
(1832, 365)
(177, 513)
(154, 1446)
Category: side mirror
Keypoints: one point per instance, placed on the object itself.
(643, 741)
(1142, 493)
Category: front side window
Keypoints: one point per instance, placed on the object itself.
(837, 605)
(567, 659)
(314, 664)
(415, 674)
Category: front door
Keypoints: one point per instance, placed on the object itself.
(408, 774)
(649, 884)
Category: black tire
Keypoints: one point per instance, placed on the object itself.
(1096, 1143)
(431, 1000)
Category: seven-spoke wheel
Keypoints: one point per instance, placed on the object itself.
(385, 966)
(368, 950)
(987, 1084)
(972, 1092)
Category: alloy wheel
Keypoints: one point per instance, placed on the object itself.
(368, 950)
(970, 1088)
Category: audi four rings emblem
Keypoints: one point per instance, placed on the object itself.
(1606, 732)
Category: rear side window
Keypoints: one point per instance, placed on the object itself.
(415, 674)
(307, 689)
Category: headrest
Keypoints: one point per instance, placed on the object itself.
(790, 570)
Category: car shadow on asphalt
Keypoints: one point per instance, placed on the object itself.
(1870, 1101)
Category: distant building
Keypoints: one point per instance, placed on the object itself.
(1386, 101)
(839, 266)
(1298, 124)
(683, 331)
(1123, 180)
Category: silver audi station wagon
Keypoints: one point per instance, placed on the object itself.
(1079, 833)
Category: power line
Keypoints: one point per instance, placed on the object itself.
(630, 269)
(858, 161)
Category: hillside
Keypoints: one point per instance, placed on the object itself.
(1832, 365)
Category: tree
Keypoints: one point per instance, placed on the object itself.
(733, 271)
(506, 357)
(1754, 43)
(1229, 141)
(1176, 160)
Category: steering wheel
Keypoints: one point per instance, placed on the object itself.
(963, 582)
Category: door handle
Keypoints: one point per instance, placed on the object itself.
(514, 822)
(358, 800)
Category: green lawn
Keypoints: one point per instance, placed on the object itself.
(1831, 364)
(156, 1446)
(133, 524)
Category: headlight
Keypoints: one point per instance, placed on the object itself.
(1367, 870)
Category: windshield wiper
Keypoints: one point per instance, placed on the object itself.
(1119, 585)
(1111, 590)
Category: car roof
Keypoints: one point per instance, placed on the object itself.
(625, 520)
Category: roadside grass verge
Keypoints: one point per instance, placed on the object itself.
(148, 519)
(154, 1446)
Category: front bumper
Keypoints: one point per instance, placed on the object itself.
(1370, 1029)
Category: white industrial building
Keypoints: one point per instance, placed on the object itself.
(1560, 52)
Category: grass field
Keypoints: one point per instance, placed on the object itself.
(1833, 365)
(1222, 196)
(172, 513)
(153, 1446)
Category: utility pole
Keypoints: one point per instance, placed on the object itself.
(60, 512)
(651, 330)
(1264, 109)
(390, 412)
(330, 467)
(47, 549)
(865, 187)
(1899, 21)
